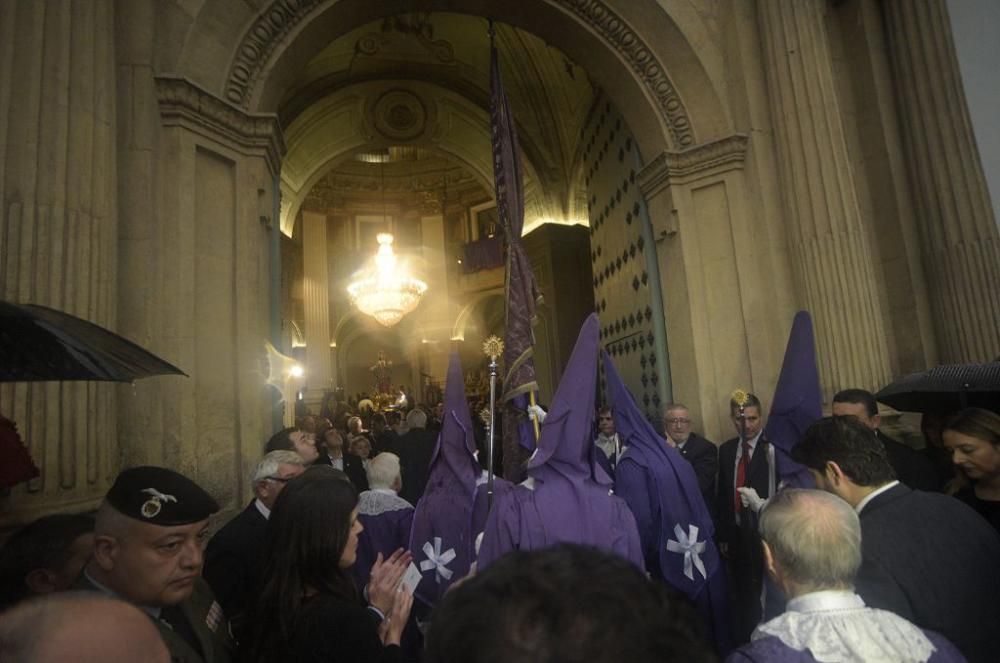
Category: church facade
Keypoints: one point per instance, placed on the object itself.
(203, 176)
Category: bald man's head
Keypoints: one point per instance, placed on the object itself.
(79, 627)
(813, 537)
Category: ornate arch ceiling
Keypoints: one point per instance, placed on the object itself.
(423, 79)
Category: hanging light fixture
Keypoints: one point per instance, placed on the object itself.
(386, 292)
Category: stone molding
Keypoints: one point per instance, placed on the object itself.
(620, 36)
(282, 16)
(712, 158)
(184, 103)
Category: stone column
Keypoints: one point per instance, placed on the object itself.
(316, 298)
(828, 239)
(58, 232)
(958, 231)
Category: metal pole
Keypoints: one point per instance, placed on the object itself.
(489, 440)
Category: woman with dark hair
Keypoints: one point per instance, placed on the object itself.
(309, 608)
(973, 438)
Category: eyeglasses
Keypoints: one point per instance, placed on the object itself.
(279, 479)
(674, 422)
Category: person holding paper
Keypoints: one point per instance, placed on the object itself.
(309, 608)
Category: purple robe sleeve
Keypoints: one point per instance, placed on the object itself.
(769, 650)
(502, 531)
(946, 652)
(632, 485)
(627, 544)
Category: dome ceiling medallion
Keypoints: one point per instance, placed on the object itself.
(399, 115)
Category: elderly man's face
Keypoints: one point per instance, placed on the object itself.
(677, 424)
(152, 565)
(270, 487)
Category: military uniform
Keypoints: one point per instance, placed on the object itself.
(205, 617)
(195, 630)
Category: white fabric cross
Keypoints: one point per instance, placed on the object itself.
(438, 560)
(691, 548)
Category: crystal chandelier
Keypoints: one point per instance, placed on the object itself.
(386, 293)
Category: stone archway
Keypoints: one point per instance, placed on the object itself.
(607, 38)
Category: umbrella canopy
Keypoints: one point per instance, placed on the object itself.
(39, 343)
(945, 388)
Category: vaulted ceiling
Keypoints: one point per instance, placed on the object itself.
(422, 80)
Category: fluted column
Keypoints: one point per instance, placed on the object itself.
(958, 231)
(58, 230)
(827, 235)
(316, 297)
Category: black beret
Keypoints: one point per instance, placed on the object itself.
(160, 496)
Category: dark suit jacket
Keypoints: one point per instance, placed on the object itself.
(912, 467)
(233, 561)
(415, 449)
(354, 468)
(704, 458)
(727, 529)
(934, 561)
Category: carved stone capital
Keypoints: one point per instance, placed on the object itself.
(182, 103)
(700, 161)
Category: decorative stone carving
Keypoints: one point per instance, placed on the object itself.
(282, 16)
(618, 34)
(259, 42)
(399, 115)
(418, 27)
(183, 102)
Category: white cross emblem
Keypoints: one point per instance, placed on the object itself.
(438, 560)
(691, 548)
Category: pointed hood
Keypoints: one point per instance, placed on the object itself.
(441, 538)
(566, 438)
(681, 507)
(797, 401)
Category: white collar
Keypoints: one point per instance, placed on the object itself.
(264, 511)
(835, 625)
(384, 491)
(827, 599)
(875, 493)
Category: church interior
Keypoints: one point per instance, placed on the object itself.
(209, 178)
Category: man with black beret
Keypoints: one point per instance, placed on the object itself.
(149, 542)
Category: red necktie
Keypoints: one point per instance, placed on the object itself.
(742, 470)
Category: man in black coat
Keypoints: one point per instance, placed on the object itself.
(926, 557)
(415, 449)
(736, 528)
(912, 468)
(233, 556)
(702, 454)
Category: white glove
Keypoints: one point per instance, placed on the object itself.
(751, 500)
(536, 412)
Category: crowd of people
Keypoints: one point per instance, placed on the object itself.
(883, 559)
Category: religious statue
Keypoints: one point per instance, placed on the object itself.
(383, 374)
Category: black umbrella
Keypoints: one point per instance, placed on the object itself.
(39, 343)
(945, 388)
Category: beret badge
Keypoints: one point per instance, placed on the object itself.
(151, 507)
